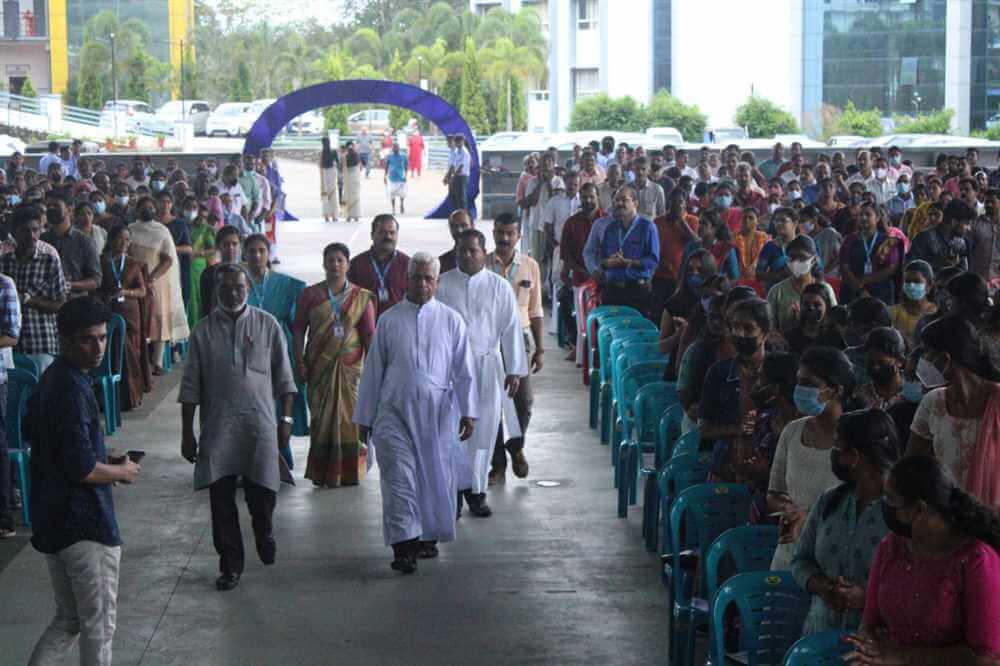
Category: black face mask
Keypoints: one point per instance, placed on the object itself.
(840, 470)
(146, 215)
(893, 522)
(745, 346)
(882, 374)
(812, 316)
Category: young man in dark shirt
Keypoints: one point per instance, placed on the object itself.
(72, 509)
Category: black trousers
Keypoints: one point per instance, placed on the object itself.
(457, 187)
(226, 533)
(662, 291)
(633, 294)
(6, 519)
(524, 399)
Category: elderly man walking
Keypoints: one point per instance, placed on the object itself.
(237, 365)
(417, 396)
(487, 303)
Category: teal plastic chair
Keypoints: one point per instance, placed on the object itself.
(738, 550)
(772, 608)
(597, 316)
(26, 363)
(600, 373)
(650, 402)
(678, 474)
(687, 443)
(668, 431)
(108, 379)
(631, 353)
(633, 378)
(20, 385)
(698, 516)
(820, 649)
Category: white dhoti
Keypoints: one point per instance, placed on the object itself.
(581, 324)
(474, 471)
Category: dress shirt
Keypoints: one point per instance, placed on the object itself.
(640, 241)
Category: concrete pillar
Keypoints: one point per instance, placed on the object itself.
(958, 64)
(561, 25)
(52, 107)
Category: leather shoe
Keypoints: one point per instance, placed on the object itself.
(428, 550)
(498, 476)
(267, 549)
(519, 464)
(227, 581)
(477, 504)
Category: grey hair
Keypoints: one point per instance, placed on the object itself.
(423, 259)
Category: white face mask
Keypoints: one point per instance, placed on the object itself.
(799, 268)
(880, 173)
(794, 195)
(773, 207)
(192, 215)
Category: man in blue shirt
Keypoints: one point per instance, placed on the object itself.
(623, 252)
(395, 178)
(72, 509)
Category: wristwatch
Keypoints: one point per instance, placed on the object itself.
(287, 419)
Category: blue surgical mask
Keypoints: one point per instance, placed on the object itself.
(915, 291)
(694, 281)
(706, 303)
(902, 188)
(14, 199)
(100, 207)
(157, 185)
(913, 391)
(807, 400)
(724, 201)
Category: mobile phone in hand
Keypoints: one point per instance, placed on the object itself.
(136, 456)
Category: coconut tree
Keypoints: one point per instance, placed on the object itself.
(504, 61)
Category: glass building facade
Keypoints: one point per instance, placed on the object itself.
(885, 54)
(984, 98)
(662, 26)
(153, 13)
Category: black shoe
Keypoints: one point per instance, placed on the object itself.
(227, 581)
(477, 504)
(428, 550)
(405, 556)
(267, 549)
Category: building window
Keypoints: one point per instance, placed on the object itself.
(586, 83)
(586, 14)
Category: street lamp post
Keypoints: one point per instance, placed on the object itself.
(114, 84)
(183, 104)
(916, 104)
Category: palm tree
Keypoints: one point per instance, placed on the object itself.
(502, 61)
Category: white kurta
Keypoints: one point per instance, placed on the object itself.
(417, 382)
(488, 306)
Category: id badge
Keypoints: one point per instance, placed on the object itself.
(383, 295)
(338, 331)
(121, 299)
(869, 269)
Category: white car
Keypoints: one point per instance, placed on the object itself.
(127, 116)
(190, 110)
(226, 119)
(311, 122)
(253, 112)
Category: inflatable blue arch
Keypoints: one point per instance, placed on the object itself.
(368, 91)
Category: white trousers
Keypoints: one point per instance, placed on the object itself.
(85, 581)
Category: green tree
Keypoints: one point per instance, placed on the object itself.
(333, 67)
(502, 63)
(240, 87)
(764, 118)
(853, 121)
(28, 88)
(473, 105)
(514, 119)
(90, 94)
(451, 91)
(937, 122)
(665, 110)
(365, 46)
(398, 116)
(601, 112)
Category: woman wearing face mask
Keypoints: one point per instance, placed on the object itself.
(885, 357)
(773, 409)
(784, 297)
(933, 592)
(690, 326)
(845, 525)
(749, 242)
(813, 329)
(181, 233)
(918, 279)
(772, 266)
(83, 220)
(902, 412)
(203, 253)
(960, 422)
(870, 261)
(152, 244)
(696, 269)
(123, 288)
(725, 394)
(801, 469)
(706, 348)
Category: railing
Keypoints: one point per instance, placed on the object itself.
(76, 114)
(19, 103)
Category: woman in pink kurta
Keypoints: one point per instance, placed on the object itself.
(416, 152)
(933, 592)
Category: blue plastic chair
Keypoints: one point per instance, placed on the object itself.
(686, 444)
(631, 354)
(678, 474)
(600, 368)
(606, 335)
(26, 363)
(20, 385)
(738, 550)
(596, 316)
(108, 379)
(667, 432)
(820, 649)
(772, 608)
(699, 515)
(650, 402)
(633, 378)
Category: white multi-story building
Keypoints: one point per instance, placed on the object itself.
(618, 47)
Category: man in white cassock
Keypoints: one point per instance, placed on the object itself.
(487, 303)
(417, 398)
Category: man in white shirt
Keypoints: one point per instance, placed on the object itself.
(50, 158)
(229, 184)
(539, 190)
(652, 202)
(457, 178)
(875, 181)
(557, 211)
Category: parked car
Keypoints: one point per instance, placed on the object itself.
(726, 135)
(253, 112)
(847, 140)
(192, 110)
(311, 122)
(376, 121)
(665, 135)
(226, 119)
(127, 115)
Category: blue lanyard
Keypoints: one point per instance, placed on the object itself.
(622, 239)
(336, 301)
(118, 270)
(381, 275)
(869, 248)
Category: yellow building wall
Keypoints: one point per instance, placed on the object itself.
(180, 15)
(58, 48)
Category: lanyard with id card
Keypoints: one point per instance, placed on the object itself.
(869, 248)
(383, 290)
(338, 325)
(118, 271)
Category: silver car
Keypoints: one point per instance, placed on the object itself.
(192, 110)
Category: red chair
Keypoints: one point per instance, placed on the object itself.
(591, 299)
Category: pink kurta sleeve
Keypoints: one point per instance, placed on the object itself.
(872, 615)
(982, 602)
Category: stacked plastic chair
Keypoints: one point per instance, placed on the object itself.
(642, 430)
(108, 378)
(20, 385)
(823, 649)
